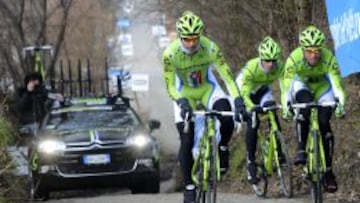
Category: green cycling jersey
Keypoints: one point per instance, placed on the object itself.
(252, 77)
(319, 78)
(192, 69)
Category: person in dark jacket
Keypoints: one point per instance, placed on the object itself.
(32, 100)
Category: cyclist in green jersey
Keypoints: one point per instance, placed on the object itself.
(254, 82)
(312, 74)
(188, 65)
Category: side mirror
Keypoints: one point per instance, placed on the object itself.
(154, 124)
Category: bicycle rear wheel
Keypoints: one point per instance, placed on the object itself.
(284, 170)
(316, 189)
(260, 188)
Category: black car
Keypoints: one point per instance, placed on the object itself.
(94, 143)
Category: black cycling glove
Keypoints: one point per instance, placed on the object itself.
(185, 108)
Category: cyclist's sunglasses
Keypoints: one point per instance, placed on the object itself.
(269, 60)
(312, 50)
(190, 39)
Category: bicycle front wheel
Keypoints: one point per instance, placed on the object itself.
(213, 173)
(284, 168)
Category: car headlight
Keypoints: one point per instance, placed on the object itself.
(51, 146)
(139, 140)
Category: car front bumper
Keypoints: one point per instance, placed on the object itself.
(127, 167)
(53, 180)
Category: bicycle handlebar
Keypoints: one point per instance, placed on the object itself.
(297, 106)
(206, 114)
(261, 109)
(214, 113)
(313, 105)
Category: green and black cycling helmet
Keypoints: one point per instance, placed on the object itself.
(312, 37)
(189, 24)
(269, 49)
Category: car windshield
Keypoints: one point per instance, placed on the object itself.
(90, 119)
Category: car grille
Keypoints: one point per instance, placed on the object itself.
(72, 163)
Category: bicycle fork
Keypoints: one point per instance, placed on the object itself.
(313, 152)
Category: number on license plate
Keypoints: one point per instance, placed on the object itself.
(96, 159)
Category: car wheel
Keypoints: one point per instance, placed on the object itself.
(149, 186)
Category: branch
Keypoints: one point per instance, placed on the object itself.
(20, 22)
(66, 9)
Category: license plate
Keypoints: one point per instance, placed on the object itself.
(96, 159)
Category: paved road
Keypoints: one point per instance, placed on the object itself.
(175, 197)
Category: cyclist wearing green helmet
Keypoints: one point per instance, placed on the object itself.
(188, 65)
(254, 82)
(312, 74)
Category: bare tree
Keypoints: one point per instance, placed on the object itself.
(26, 24)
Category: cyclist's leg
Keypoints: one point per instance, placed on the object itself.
(328, 139)
(251, 143)
(251, 136)
(185, 154)
(268, 100)
(215, 98)
(199, 129)
(302, 94)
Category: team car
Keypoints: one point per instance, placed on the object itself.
(94, 143)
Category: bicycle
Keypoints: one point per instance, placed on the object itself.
(206, 169)
(39, 67)
(270, 158)
(315, 167)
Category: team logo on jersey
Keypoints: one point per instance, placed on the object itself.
(194, 78)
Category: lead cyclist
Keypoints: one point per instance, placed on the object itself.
(188, 64)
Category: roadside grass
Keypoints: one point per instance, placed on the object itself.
(11, 187)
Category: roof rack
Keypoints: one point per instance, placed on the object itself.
(94, 101)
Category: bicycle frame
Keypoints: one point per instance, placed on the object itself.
(207, 149)
(270, 148)
(313, 138)
(316, 164)
(206, 169)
